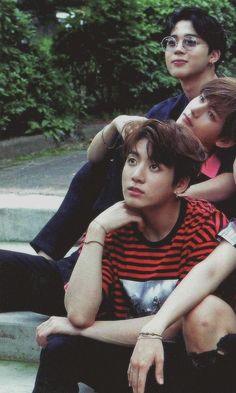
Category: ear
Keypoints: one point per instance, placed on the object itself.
(225, 142)
(214, 56)
(182, 185)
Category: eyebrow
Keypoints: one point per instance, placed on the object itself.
(216, 111)
(186, 35)
(133, 152)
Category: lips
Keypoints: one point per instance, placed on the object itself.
(179, 62)
(134, 191)
(187, 120)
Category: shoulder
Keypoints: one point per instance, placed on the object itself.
(204, 213)
(127, 234)
(166, 109)
(226, 157)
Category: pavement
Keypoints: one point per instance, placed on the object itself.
(30, 193)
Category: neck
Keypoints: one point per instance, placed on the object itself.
(160, 220)
(193, 85)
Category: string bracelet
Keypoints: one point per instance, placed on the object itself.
(150, 335)
(105, 143)
(101, 226)
(94, 241)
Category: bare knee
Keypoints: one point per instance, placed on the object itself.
(207, 323)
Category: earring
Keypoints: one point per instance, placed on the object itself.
(176, 194)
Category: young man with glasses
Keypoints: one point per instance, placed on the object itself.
(194, 47)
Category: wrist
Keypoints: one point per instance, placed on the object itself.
(95, 231)
(108, 135)
(153, 328)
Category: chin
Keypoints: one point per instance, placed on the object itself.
(133, 204)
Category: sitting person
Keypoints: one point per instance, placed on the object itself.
(131, 258)
(29, 282)
(213, 346)
(216, 183)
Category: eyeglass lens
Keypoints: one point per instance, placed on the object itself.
(170, 43)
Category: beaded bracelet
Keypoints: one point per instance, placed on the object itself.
(150, 335)
(94, 241)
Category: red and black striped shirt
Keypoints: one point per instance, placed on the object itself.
(138, 274)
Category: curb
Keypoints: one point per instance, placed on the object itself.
(15, 147)
(23, 216)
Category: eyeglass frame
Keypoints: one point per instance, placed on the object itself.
(183, 45)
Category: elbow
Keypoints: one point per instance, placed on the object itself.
(80, 320)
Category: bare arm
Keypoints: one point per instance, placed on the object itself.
(43, 254)
(86, 280)
(121, 332)
(217, 189)
(105, 138)
(234, 170)
(212, 271)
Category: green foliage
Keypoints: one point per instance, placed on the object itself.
(115, 49)
(105, 57)
(36, 93)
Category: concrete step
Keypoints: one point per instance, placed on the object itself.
(19, 377)
(22, 216)
(19, 352)
(17, 336)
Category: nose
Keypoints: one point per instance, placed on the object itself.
(179, 47)
(198, 109)
(138, 175)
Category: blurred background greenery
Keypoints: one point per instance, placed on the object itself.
(63, 62)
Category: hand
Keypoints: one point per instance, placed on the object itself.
(121, 121)
(147, 352)
(54, 325)
(117, 216)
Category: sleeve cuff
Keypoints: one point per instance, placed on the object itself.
(229, 233)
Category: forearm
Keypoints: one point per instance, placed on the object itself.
(234, 170)
(97, 149)
(122, 332)
(84, 292)
(105, 139)
(43, 254)
(217, 189)
(202, 280)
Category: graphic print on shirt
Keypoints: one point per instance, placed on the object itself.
(146, 298)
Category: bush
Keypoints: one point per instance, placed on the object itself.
(106, 57)
(115, 49)
(36, 93)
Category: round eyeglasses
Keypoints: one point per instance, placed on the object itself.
(170, 43)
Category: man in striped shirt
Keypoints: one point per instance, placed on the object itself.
(132, 257)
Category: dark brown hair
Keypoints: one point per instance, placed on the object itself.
(168, 144)
(221, 94)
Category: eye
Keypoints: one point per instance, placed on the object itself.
(171, 42)
(131, 160)
(202, 98)
(190, 42)
(154, 167)
(212, 115)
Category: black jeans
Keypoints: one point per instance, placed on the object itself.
(68, 360)
(32, 283)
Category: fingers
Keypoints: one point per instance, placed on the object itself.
(159, 371)
(137, 375)
(42, 332)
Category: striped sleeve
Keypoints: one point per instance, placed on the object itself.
(204, 241)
